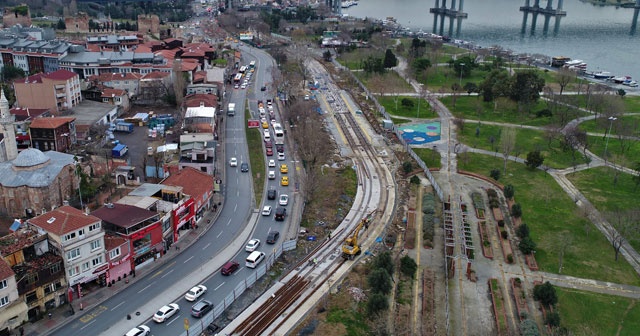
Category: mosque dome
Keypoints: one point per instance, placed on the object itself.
(30, 157)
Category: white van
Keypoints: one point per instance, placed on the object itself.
(254, 259)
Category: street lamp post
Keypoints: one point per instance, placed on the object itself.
(461, 69)
(419, 99)
(606, 145)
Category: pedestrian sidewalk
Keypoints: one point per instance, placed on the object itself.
(65, 314)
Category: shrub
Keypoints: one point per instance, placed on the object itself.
(504, 234)
(544, 113)
(492, 193)
(407, 167)
(377, 303)
(408, 266)
(509, 191)
(510, 258)
(552, 319)
(501, 223)
(494, 203)
(546, 294)
(529, 328)
(522, 231)
(415, 180)
(527, 245)
(516, 210)
(495, 174)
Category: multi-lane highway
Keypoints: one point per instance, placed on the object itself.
(201, 262)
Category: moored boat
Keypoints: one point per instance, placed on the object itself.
(602, 75)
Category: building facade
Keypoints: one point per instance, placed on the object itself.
(57, 91)
(56, 134)
(13, 311)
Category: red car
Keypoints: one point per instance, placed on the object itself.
(269, 151)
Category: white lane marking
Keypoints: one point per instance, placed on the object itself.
(88, 324)
(206, 246)
(167, 273)
(220, 285)
(168, 323)
(229, 222)
(235, 208)
(218, 236)
(149, 285)
(116, 307)
(191, 257)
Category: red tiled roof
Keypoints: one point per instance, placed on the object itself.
(27, 112)
(142, 49)
(93, 47)
(18, 240)
(5, 271)
(63, 220)
(112, 241)
(61, 74)
(51, 123)
(188, 66)
(108, 77)
(108, 93)
(194, 100)
(194, 183)
(171, 39)
(123, 215)
(156, 74)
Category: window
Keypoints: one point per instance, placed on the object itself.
(95, 244)
(3, 284)
(55, 268)
(80, 233)
(97, 261)
(69, 236)
(105, 100)
(114, 253)
(4, 301)
(93, 227)
(31, 278)
(85, 266)
(74, 271)
(73, 254)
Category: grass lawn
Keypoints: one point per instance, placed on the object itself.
(601, 125)
(527, 140)
(353, 321)
(609, 313)
(629, 158)
(256, 158)
(430, 157)
(390, 103)
(597, 186)
(551, 215)
(631, 103)
(392, 82)
(354, 59)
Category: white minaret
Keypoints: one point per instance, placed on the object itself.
(6, 127)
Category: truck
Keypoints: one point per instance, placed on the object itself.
(231, 110)
(120, 150)
(124, 127)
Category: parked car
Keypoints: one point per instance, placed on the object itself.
(195, 292)
(165, 312)
(201, 308)
(252, 245)
(273, 236)
(284, 200)
(230, 267)
(141, 330)
(266, 210)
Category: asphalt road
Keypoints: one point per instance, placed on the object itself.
(165, 285)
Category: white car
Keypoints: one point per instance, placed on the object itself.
(252, 245)
(166, 312)
(266, 210)
(281, 157)
(272, 175)
(272, 163)
(243, 86)
(195, 292)
(233, 162)
(284, 199)
(141, 330)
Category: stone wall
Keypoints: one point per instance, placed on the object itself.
(17, 15)
(148, 24)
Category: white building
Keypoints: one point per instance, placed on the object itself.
(12, 310)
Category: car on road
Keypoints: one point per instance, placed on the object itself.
(252, 245)
(284, 169)
(269, 151)
(284, 199)
(264, 88)
(266, 210)
(236, 86)
(284, 181)
(272, 163)
(273, 236)
(195, 292)
(244, 167)
(230, 267)
(268, 144)
(201, 308)
(272, 175)
(166, 312)
(265, 124)
(280, 215)
(271, 194)
(281, 156)
(243, 86)
(233, 162)
(141, 330)
(280, 148)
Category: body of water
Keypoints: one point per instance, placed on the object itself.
(602, 36)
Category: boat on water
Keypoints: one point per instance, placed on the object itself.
(349, 3)
(621, 79)
(602, 75)
(578, 65)
(630, 83)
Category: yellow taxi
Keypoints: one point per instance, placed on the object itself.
(265, 125)
(284, 169)
(284, 181)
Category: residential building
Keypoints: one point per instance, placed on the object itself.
(13, 311)
(196, 184)
(80, 239)
(31, 55)
(87, 63)
(118, 98)
(140, 227)
(57, 134)
(35, 182)
(23, 118)
(197, 151)
(8, 146)
(129, 81)
(119, 257)
(154, 86)
(38, 265)
(200, 113)
(114, 42)
(57, 91)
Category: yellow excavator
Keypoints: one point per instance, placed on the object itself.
(350, 248)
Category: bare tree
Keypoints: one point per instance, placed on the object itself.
(565, 76)
(625, 226)
(179, 82)
(562, 244)
(507, 144)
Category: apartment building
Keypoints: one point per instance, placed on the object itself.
(57, 91)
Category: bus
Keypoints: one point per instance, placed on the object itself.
(237, 78)
(278, 134)
(243, 69)
(252, 64)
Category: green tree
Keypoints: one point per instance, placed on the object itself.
(390, 59)
(407, 167)
(385, 262)
(61, 25)
(523, 231)
(420, 65)
(546, 294)
(380, 281)
(406, 102)
(495, 85)
(377, 303)
(516, 210)
(552, 319)
(408, 266)
(529, 328)
(534, 159)
(10, 73)
(527, 245)
(622, 93)
(495, 174)
(509, 191)
(471, 87)
(526, 87)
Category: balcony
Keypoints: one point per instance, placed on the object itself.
(60, 86)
